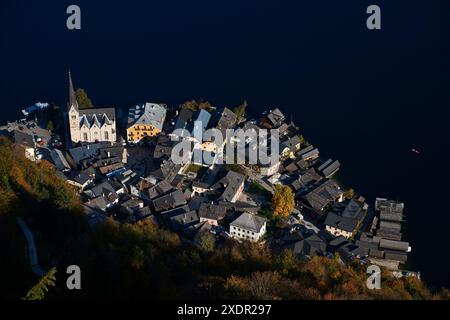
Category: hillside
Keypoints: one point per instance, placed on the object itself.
(142, 261)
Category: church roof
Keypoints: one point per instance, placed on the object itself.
(98, 116)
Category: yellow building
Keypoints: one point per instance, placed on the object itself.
(145, 121)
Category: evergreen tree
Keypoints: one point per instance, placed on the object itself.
(41, 288)
(350, 193)
(50, 126)
(83, 100)
(207, 242)
(240, 111)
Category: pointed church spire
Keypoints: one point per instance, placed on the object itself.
(72, 97)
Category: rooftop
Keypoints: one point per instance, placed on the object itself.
(23, 139)
(324, 194)
(249, 222)
(149, 114)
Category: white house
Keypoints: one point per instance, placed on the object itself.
(248, 227)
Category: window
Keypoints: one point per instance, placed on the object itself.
(106, 135)
(85, 137)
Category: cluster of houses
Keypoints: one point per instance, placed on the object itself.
(193, 197)
(29, 138)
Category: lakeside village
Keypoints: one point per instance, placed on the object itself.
(134, 180)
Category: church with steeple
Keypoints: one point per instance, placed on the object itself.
(90, 125)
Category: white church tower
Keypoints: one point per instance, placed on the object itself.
(74, 114)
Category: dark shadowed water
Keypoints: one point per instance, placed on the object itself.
(364, 98)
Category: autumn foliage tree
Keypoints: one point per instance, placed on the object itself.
(283, 201)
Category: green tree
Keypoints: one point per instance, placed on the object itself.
(206, 105)
(137, 258)
(41, 288)
(350, 193)
(283, 201)
(207, 242)
(50, 126)
(83, 100)
(287, 262)
(191, 105)
(240, 111)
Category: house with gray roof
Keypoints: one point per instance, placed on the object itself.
(272, 119)
(345, 218)
(23, 139)
(310, 246)
(82, 179)
(289, 147)
(59, 160)
(223, 119)
(340, 226)
(170, 201)
(230, 186)
(79, 155)
(160, 189)
(184, 119)
(308, 177)
(329, 168)
(146, 120)
(26, 141)
(142, 214)
(200, 122)
(212, 213)
(248, 227)
(106, 190)
(310, 155)
(168, 170)
(96, 204)
(163, 148)
(180, 218)
(323, 195)
(184, 220)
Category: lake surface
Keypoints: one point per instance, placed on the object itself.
(363, 97)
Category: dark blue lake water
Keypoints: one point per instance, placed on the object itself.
(363, 97)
